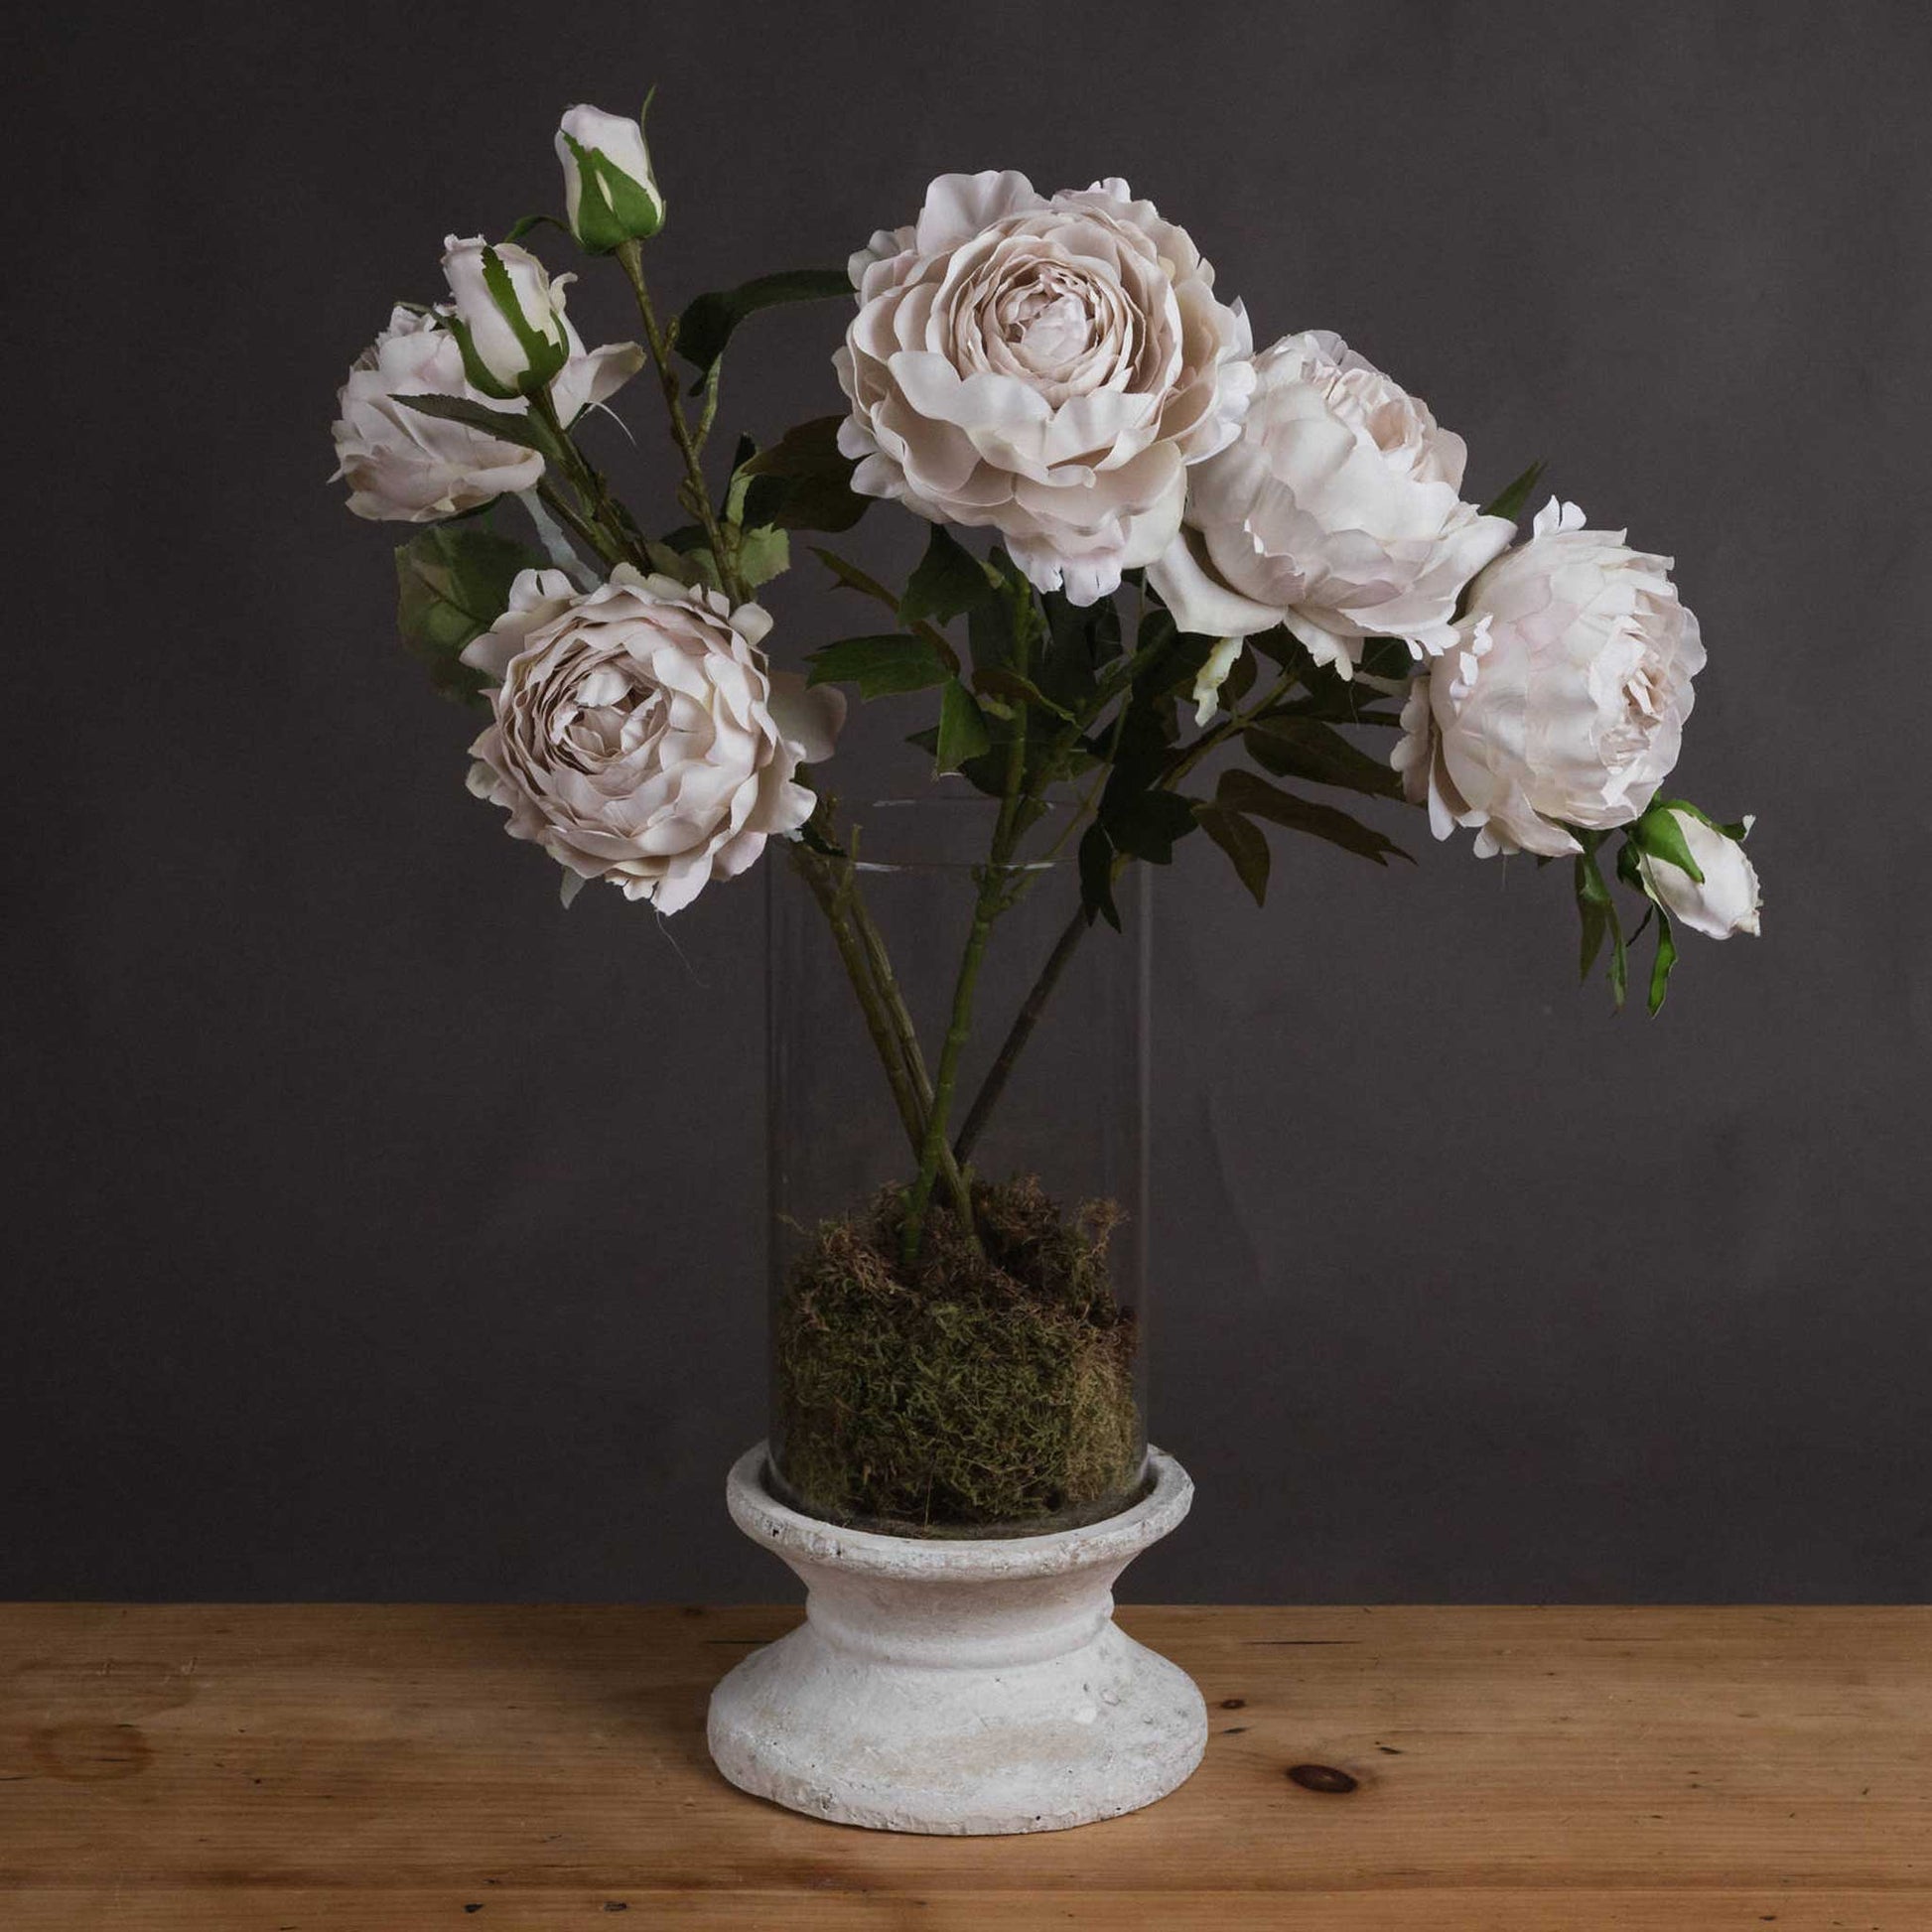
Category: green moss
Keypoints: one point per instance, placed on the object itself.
(975, 1393)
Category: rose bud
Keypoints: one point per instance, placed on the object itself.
(509, 315)
(610, 193)
(1725, 899)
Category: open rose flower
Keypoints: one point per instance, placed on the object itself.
(1335, 511)
(640, 735)
(404, 466)
(1562, 698)
(1047, 368)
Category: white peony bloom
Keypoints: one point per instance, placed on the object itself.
(404, 466)
(1726, 902)
(1562, 698)
(640, 735)
(1335, 511)
(610, 193)
(509, 314)
(1045, 367)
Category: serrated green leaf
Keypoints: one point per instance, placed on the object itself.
(963, 732)
(453, 582)
(704, 329)
(948, 582)
(1245, 843)
(1096, 865)
(519, 428)
(1510, 499)
(1306, 748)
(1242, 791)
(879, 667)
(763, 554)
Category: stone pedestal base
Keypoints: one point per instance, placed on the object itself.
(957, 1687)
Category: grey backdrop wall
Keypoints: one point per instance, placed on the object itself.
(361, 1240)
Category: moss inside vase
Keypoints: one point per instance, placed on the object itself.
(981, 1391)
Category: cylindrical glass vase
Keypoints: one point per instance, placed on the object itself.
(994, 1384)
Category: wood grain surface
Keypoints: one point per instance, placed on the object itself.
(382, 1768)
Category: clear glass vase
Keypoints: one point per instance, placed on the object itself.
(993, 1385)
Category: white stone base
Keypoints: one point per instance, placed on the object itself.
(957, 1687)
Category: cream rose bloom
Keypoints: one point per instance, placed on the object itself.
(404, 466)
(1335, 511)
(1726, 902)
(1562, 700)
(640, 735)
(1047, 368)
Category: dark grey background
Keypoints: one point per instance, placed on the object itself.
(377, 1230)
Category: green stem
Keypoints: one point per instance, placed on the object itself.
(990, 901)
(598, 522)
(593, 539)
(689, 444)
(817, 873)
(1068, 942)
(1021, 1030)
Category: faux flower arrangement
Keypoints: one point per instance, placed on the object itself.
(1161, 547)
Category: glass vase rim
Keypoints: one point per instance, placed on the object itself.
(954, 806)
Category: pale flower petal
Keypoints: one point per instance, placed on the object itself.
(639, 736)
(1044, 367)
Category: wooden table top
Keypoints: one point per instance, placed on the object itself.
(359, 1768)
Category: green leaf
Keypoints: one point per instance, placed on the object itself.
(1243, 841)
(1144, 824)
(1736, 829)
(948, 582)
(453, 582)
(519, 428)
(1510, 499)
(1305, 748)
(1010, 685)
(709, 322)
(1242, 791)
(762, 554)
(879, 667)
(1660, 835)
(802, 483)
(1600, 920)
(1385, 657)
(1097, 877)
(1666, 958)
(962, 729)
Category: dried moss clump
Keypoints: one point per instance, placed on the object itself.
(977, 1390)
